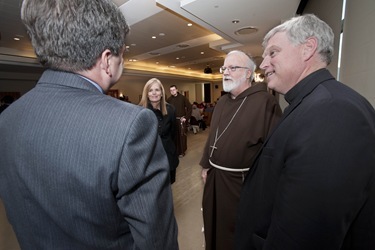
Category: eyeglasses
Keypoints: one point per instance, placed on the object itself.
(231, 68)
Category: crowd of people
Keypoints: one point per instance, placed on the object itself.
(82, 170)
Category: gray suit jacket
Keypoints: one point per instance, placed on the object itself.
(82, 170)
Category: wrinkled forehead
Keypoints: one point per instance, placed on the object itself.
(276, 41)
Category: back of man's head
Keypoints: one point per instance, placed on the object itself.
(71, 35)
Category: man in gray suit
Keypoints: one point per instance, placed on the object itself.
(82, 170)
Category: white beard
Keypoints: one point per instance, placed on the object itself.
(230, 85)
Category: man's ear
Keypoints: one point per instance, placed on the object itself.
(309, 48)
(248, 74)
(105, 62)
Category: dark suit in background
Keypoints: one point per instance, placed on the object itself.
(82, 170)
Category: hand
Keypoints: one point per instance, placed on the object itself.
(182, 119)
(204, 174)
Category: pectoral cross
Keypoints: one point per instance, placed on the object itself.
(213, 148)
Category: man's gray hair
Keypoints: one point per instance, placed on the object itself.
(299, 29)
(71, 35)
(249, 63)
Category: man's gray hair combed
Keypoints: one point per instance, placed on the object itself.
(299, 29)
(71, 35)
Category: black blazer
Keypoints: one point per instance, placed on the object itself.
(166, 130)
(313, 184)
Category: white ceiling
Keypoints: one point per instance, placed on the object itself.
(177, 49)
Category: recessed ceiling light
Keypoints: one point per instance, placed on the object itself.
(189, 24)
(133, 44)
(153, 37)
(235, 21)
(202, 53)
(16, 38)
(161, 34)
(246, 31)
(177, 58)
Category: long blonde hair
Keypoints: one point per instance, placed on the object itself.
(145, 101)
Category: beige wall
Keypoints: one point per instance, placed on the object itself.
(331, 14)
(358, 57)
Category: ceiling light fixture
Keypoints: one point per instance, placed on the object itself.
(246, 31)
(235, 21)
(189, 24)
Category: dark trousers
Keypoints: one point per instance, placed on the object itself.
(180, 138)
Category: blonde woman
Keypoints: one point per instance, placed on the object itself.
(153, 98)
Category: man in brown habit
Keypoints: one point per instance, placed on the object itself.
(241, 121)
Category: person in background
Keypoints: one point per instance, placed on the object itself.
(241, 121)
(183, 113)
(83, 170)
(313, 184)
(5, 102)
(153, 97)
(197, 114)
